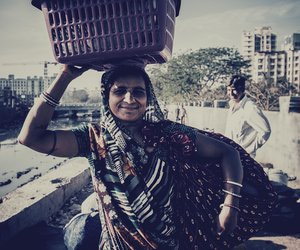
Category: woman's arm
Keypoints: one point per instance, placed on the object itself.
(232, 170)
(34, 133)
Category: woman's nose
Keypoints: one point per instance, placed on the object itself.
(128, 97)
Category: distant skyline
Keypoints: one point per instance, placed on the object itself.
(201, 24)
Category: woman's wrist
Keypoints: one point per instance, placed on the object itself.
(230, 207)
(232, 188)
(229, 199)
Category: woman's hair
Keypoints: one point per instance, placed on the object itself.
(109, 77)
(238, 82)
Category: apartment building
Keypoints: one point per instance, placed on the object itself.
(260, 40)
(291, 42)
(291, 46)
(24, 89)
(259, 47)
(269, 66)
(293, 67)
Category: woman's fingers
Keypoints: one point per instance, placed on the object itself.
(226, 222)
(74, 71)
(219, 229)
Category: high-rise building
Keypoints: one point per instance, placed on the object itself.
(291, 42)
(291, 46)
(293, 67)
(260, 40)
(269, 66)
(24, 89)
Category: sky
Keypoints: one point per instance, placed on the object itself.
(201, 24)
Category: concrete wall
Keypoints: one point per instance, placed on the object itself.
(283, 147)
(38, 200)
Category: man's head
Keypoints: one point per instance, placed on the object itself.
(236, 87)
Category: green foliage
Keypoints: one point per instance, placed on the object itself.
(192, 76)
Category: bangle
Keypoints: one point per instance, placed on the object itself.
(54, 143)
(234, 183)
(49, 99)
(231, 193)
(231, 206)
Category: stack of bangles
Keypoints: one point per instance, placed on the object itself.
(232, 194)
(49, 99)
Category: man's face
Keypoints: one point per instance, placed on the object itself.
(233, 94)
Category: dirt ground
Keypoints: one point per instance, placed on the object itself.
(49, 236)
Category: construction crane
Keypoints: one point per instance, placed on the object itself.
(45, 63)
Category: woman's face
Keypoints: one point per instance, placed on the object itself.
(128, 98)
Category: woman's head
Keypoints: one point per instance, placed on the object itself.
(126, 89)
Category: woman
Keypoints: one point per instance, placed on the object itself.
(159, 184)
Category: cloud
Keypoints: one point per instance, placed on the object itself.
(225, 28)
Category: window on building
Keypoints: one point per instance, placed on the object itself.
(260, 60)
(272, 67)
(296, 72)
(272, 60)
(296, 58)
(271, 73)
(260, 73)
(296, 79)
(296, 64)
(278, 72)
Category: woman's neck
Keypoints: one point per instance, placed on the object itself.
(134, 127)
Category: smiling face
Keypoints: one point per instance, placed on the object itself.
(128, 98)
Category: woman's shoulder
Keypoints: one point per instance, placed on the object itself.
(171, 127)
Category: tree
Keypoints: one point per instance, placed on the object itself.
(266, 93)
(76, 96)
(191, 75)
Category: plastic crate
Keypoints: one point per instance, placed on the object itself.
(97, 32)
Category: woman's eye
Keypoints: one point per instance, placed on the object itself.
(120, 92)
(139, 93)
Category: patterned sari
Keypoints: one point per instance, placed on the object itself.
(166, 198)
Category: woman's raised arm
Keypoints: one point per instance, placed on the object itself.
(34, 133)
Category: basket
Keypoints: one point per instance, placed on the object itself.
(96, 32)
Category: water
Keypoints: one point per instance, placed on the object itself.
(19, 164)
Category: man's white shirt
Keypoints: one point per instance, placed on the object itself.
(247, 125)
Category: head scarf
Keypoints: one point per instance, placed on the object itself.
(111, 130)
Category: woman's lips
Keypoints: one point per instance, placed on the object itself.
(129, 107)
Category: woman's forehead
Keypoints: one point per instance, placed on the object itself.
(130, 81)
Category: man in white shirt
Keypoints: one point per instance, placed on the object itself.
(246, 123)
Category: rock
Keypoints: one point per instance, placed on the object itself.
(4, 183)
(89, 204)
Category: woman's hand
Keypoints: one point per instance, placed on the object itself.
(227, 220)
(73, 71)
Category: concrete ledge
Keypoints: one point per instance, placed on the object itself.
(38, 200)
